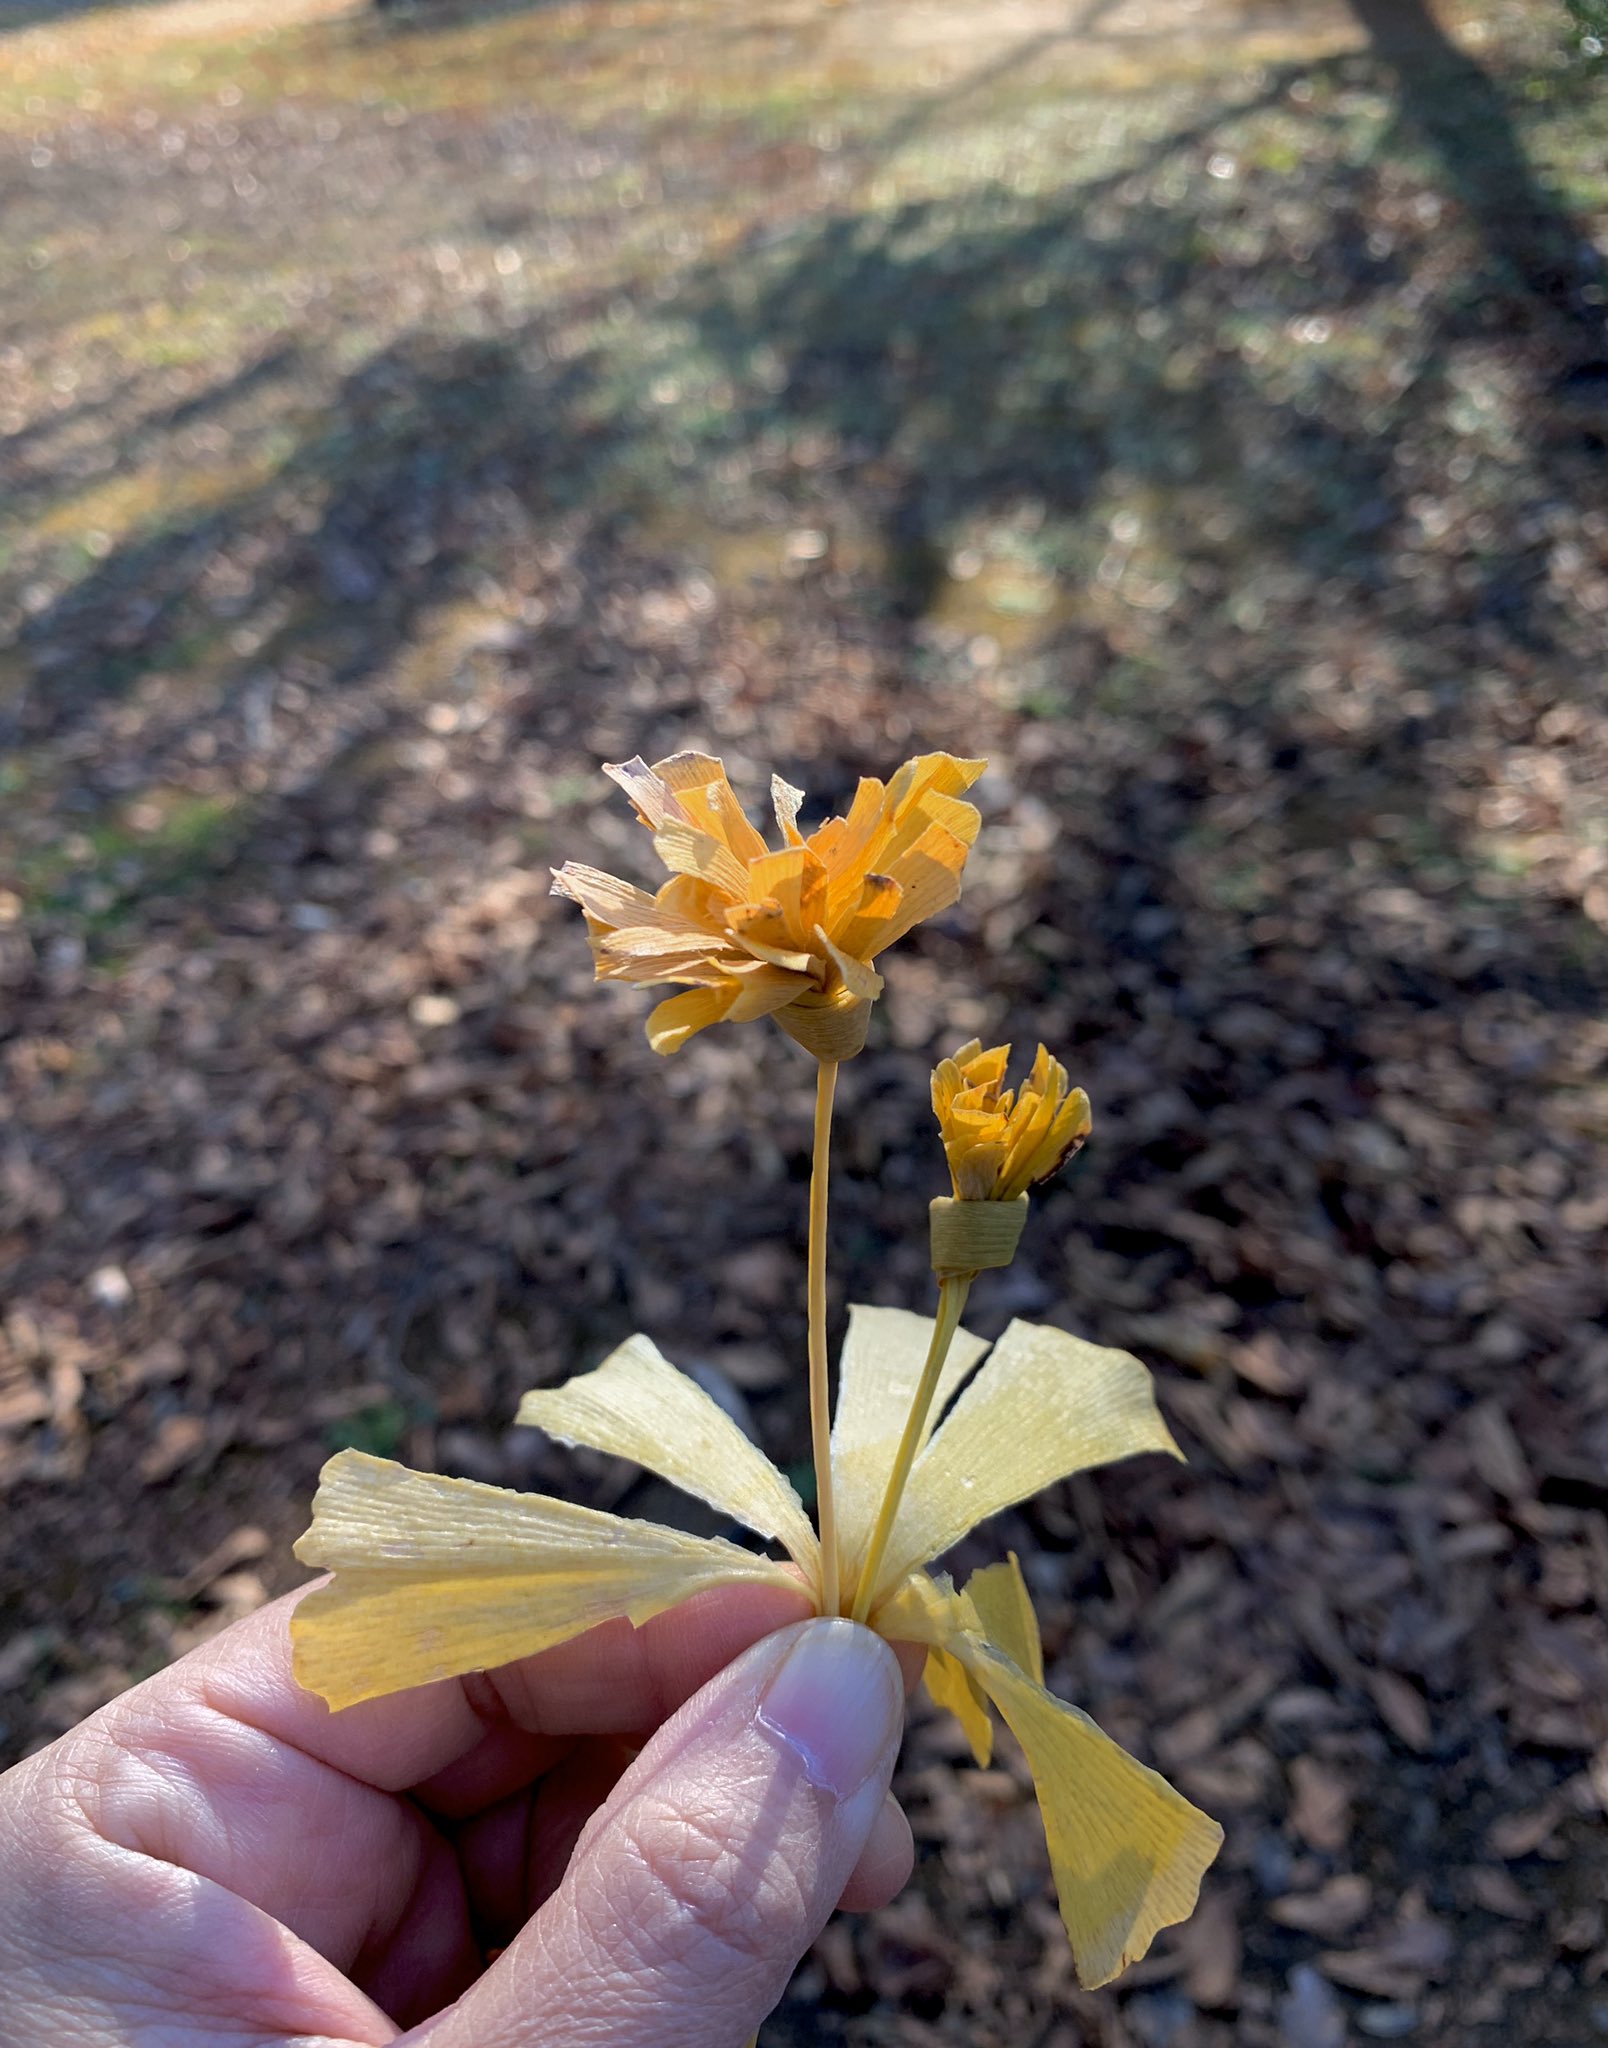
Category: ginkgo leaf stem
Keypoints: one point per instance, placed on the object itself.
(952, 1292)
(820, 1396)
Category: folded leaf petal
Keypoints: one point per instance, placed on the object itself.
(999, 1598)
(637, 1405)
(878, 1370)
(701, 787)
(675, 1020)
(1045, 1405)
(435, 1577)
(1128, 1852)
(953, 1686)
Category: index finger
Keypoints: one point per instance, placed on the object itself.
(613, 1680)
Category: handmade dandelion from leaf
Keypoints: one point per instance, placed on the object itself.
(792, 933)
(437, 1577)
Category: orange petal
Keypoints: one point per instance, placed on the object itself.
(861, 981)
(675, 1020)
(929, 874)
(687, 851)
(706, 797)
(796, 881)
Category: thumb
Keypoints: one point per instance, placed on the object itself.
(713, 1865)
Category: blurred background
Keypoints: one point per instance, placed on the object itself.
(1198, 407)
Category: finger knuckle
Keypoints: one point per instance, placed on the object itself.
(706, 1892)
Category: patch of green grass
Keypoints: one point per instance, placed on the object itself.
(98, 874)
(378, 1429)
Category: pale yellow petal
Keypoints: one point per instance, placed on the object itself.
(435, 1577)
(999, 1595)
(675, 1020)
(1128, 1852)
(786, 801)
(1045, 1405)
(924, 1608)
(878, 1372)
(654, 802)
(763, 989)
(787, 958)
(637, 1405)
(929, 1611)
(609, 900)
(647, 943)
(953, 1686)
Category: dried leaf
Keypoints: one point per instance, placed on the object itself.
(879, 1368)
(636, 1405)
(435, 1576)
(1402, 1708)
(1044, 1405)
(178, 1439)
(1320, 1812)
(1340, 1905)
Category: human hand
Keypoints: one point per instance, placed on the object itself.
(215, 1858)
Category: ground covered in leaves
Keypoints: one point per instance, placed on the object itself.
(1200, 410)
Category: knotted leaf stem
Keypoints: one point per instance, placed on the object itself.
(820, 1395)
(952, 1292)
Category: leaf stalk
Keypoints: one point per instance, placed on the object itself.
(820, 1393)
(953, 1289)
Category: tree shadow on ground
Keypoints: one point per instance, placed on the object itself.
(1151, 372)
(16, 15)
(1452, 102)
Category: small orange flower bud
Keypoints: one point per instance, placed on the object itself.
(1000, 1141)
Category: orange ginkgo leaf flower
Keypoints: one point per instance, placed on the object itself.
(789, 933)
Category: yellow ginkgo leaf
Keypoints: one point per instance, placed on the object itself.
(1127, 1851)
(1045, 1404)
(637, 1405)
(953, 1686)
(878, 1370)
(436, 1577)
(998, 1594)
